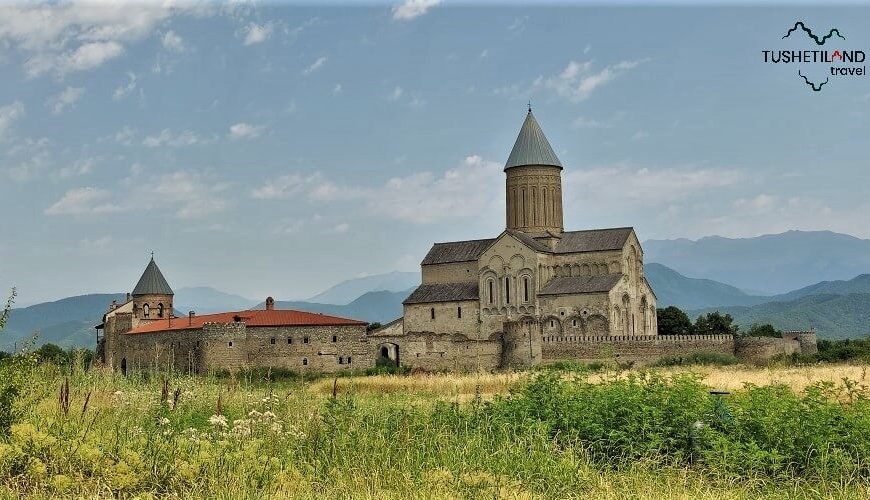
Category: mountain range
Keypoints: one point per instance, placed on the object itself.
(765, 265)
(836, 308)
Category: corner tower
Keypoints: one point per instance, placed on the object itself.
(152, 296)
(534, 182)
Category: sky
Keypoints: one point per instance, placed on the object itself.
(276, 149)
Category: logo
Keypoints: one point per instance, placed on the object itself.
(818, 66)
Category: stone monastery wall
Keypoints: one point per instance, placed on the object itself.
(640, 349)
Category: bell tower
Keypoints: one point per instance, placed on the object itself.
(534, 182)
(152, 296)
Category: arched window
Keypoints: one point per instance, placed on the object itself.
(459, 312)
(160, 310)
(432, 313)
(304, 361)
(507, 289)
(146, 311)
(526, 289)
(490, 296)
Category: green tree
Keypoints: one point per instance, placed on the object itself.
(715, 323)
(673, 321)
(51, 353)
(373, 326)
(765, 330)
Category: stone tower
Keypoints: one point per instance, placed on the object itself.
(534, 182)
(152, 296)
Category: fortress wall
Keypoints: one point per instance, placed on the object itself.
(757, 349)
(178, 350)
(642, 349)
(444, 352)
(351, 350)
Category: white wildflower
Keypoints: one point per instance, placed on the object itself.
(218, 420)
(163, 421)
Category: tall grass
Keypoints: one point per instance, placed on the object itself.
(555, 435)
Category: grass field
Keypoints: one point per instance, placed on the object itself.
(794, 433)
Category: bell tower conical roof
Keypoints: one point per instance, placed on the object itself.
(532, 147)
(152, 282)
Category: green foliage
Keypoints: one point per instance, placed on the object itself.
(833, 351)
(673, 321)
(698, 358)
(373, 326)
(765, 330)
(715, 323)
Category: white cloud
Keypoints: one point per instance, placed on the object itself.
(340, 228)
(285, 186)
(172, 41)
(83, 201)
(644, 187)
(78, 168)
(124, 90)
(9, 114)
(420, 198)
(337, 89)
(65, 99)
(68, 36)
(519, 24)
(86, 56)
(245, 131)
(257, 33)
(192, 195)
(411, 9)
(640, 135)
(577, 81)
(396, 94)
(316, 65)
(124, 136)
(484, 53)
(166, 138)
(583, 122)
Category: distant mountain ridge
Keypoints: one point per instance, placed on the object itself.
(774, 263)
(380, 306)
(349, 290)
(833, 316)
(674, 289)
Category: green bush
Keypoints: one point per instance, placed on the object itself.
(698, 358)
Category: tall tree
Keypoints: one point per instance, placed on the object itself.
(673, 321)
(715, 323)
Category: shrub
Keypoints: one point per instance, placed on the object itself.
(766, 330)
(698, 358)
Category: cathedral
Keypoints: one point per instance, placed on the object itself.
(572, 283)
(533, 294)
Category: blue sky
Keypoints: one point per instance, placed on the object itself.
(274, 149)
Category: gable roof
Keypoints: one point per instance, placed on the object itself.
(529, 241)
(593, 240)
(251, 318)
(568, 285)
(456, 251)
(152, 282)
(443, 292)
(531, 146)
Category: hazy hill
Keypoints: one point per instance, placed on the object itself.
(204, 299)
(378, 306)
(833, 316)
(65, 322)
(775, 263)
(859, 284)
(349, 290)
(674, 289)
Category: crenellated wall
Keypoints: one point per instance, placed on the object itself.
(639, 349)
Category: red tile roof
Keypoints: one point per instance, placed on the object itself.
(274, 317)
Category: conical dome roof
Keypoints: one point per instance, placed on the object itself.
(152, 282)
(532, 147)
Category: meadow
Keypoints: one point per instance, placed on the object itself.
(566, 432)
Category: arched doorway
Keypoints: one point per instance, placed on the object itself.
(388, 354)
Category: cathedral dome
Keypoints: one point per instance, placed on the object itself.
(532, 147)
